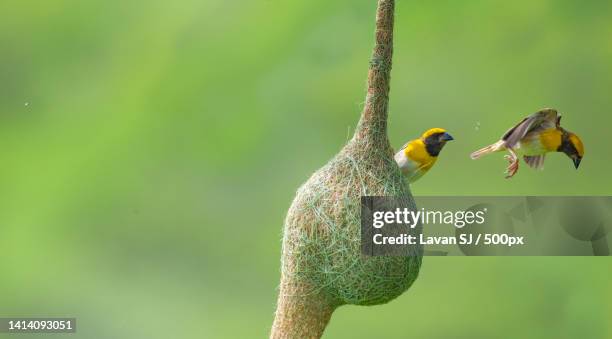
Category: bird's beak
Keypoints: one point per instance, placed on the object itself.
(447, 137)
(577, 162)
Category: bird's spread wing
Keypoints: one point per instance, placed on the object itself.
(544, 119)
(535, 161)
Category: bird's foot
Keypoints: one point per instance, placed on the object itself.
(513, 165)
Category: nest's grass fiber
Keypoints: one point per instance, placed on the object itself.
(323, 230)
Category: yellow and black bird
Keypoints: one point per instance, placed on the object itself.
(417, 157)
(536, 135)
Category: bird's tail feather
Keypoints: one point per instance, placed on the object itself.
(488, 149)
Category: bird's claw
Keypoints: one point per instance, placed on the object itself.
(512, 167)
(510, 172)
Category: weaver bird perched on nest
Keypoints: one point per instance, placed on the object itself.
(417, 157)
(536, 135)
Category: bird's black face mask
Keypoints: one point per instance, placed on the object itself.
(435, 142)
(570, 150)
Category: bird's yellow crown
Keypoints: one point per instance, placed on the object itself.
(432, 131)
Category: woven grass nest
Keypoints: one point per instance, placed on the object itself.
(322, 264)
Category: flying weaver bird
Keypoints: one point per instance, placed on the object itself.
(536, 135)
(417, 156)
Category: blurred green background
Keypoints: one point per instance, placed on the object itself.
(150, 150)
